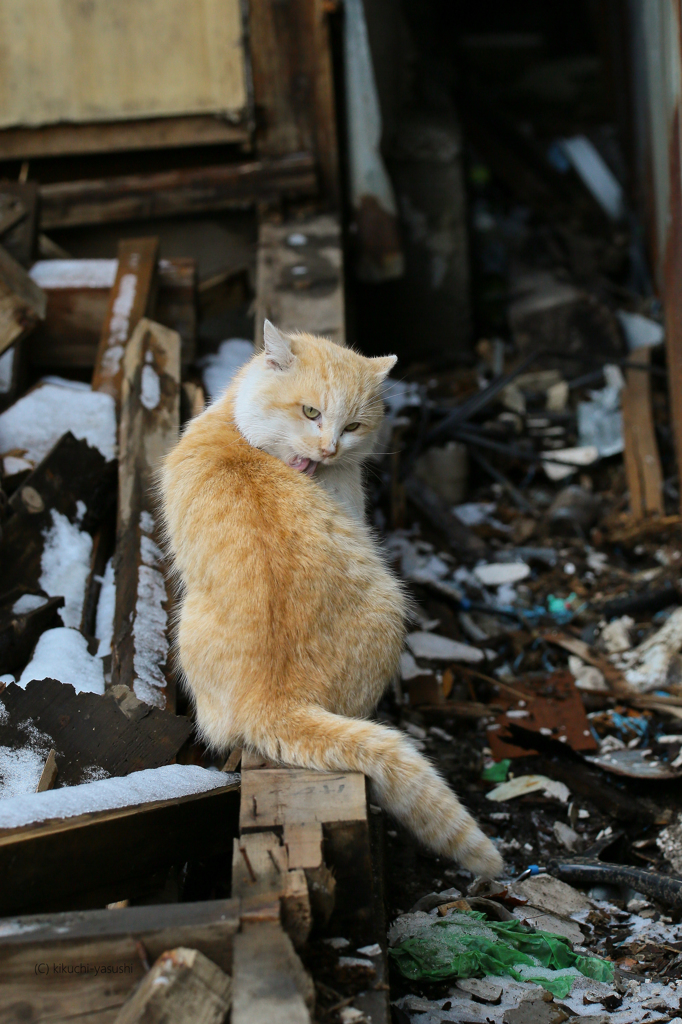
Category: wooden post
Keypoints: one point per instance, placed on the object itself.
(150, 423)
(642, 461)
(132, 297)
(293, 84)
(299, 278)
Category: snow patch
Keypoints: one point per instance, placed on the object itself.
(28, 603)
(35, 422)
(65, 565)
(148, 786)
(151, 620)
(219, 369)
(151, 387)
(63, 654)
(106, 605)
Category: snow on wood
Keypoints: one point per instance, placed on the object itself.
(65, 564)
(106, 604)
(148, 429)
(34, 424)
(167, 783)
(63, 654)
(133, 295)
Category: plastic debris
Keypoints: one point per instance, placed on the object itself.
(524, 784)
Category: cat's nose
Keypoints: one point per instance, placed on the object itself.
(326, 453)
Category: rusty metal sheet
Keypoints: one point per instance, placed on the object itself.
(557, 713)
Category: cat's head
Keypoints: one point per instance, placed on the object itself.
(308, 401)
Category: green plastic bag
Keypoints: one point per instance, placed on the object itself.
(497, 772)
(466, 945)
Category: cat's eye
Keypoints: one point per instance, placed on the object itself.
(351, 427)
(310, 412)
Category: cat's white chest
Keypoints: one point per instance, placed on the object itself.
(344, 484)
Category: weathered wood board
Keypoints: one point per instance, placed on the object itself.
(132, 296)
(172, 193)
(104, 856)
(107, 137)
(78, 293)
(150, 424)
(65, 61)
(299, 278)
(89, 731)
(111, 942)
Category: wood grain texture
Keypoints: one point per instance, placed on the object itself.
(107, 940)
(132, 296)
(97, 858)
(299, 278)
(183, 987)
(71, 332)
(64, 60)
(150, 424)
(642, 459)
(109, 137)
(172, 193)
(269, 984)
(293, 83)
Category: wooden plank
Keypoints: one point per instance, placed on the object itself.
(22, 303)
(98, 858)
(78, 293)
(269, 984)
(132, 296)
(642, 459)
(293, 84)
(109, 941)
(172, 193)
(89, 731)
(183, 987)
(150, 424)
(112, 136)
(273, 797)
(299, 278)
(97, 62)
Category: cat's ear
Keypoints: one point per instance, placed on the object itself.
(382, 365)
(278, 354)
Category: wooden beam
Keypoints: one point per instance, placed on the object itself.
(293, 84)
(132, 296)
(78, 295)
(642, 460)
(269, 984)
(150, 424)
(19, 232)
(171, 193)
(97, 858)
(108, 137)
(109, 940)
(299, 278)
(22, 303)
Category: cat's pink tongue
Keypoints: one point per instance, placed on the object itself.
(306, 466)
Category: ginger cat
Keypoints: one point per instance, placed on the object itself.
(291, 624)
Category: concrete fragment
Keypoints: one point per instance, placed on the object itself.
(549, 923)
(483, 990)
(552, 896)
(536, 1012)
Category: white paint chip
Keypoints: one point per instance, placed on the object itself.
(441, 648)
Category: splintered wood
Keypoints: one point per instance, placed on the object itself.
(113, 940)
(642, 460)
(133, 296)
(183, 987)
(150, 423)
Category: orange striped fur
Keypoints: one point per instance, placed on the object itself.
(291, 625)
